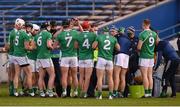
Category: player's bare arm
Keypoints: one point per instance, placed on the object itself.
(94, 45)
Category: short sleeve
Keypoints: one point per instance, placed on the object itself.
(26, 37)
(49, 36)
(141, 37)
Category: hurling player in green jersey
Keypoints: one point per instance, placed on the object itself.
(69, 62)
(32, 56)
(86, 63)
(147, 41)
(10, 48)
(21, 46)
(106, 45)
(44, 46)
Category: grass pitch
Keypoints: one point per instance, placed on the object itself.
(6, 100)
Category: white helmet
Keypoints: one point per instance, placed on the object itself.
(19, 21)
(36, 27)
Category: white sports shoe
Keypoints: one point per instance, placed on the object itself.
(16, 94)
(99, 97)
(32, 94)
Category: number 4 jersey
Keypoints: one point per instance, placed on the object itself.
(85, 41)
(41, 42)
(106, 45)
(67, 39)
(149, 39)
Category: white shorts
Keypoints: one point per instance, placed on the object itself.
(10, 59)
(146, 62)
(121, 60)
(22, 61)
(44, 63)
(86, 63)
(69, 62)
(104, 64)
(33, 65)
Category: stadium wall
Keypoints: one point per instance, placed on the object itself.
(162, 15)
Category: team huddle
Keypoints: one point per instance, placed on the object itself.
(29, 51)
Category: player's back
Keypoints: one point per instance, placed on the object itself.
(85, 41)
(19, 48)
(149, 39)
(67, 40)
(106, 45)
(41, 42)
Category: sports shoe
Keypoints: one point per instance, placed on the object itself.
(120, 95)
(32, 94)
(21, 93)
(75, 94)
(64, 94)
(50, 93)
(41, 93)
(85, 95)
(16, 94)
(99, 97)
(110, 97)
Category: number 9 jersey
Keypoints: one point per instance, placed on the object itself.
(149, 39)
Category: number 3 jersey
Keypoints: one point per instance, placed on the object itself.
(106, 45)
(85, 41)
(43, 52)
(67, 40)
(149, 39)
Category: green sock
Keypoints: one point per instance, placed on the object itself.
(99, 93)
(110, 93)
(31, 90)
(146, 91)
(11, 88)
(150, 91)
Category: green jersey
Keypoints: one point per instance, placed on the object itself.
(106, 45)
(85, 41)
(67, 40)
(149, 38)
(41, 42)
(19, 48)
(11, 39)
(32, 54)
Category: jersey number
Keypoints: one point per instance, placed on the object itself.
(151, 41)
(39, 41)
(86, 43)
(68, 39)
(107, 45)
(16, 40)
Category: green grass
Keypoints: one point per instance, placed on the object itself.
(6, 100)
